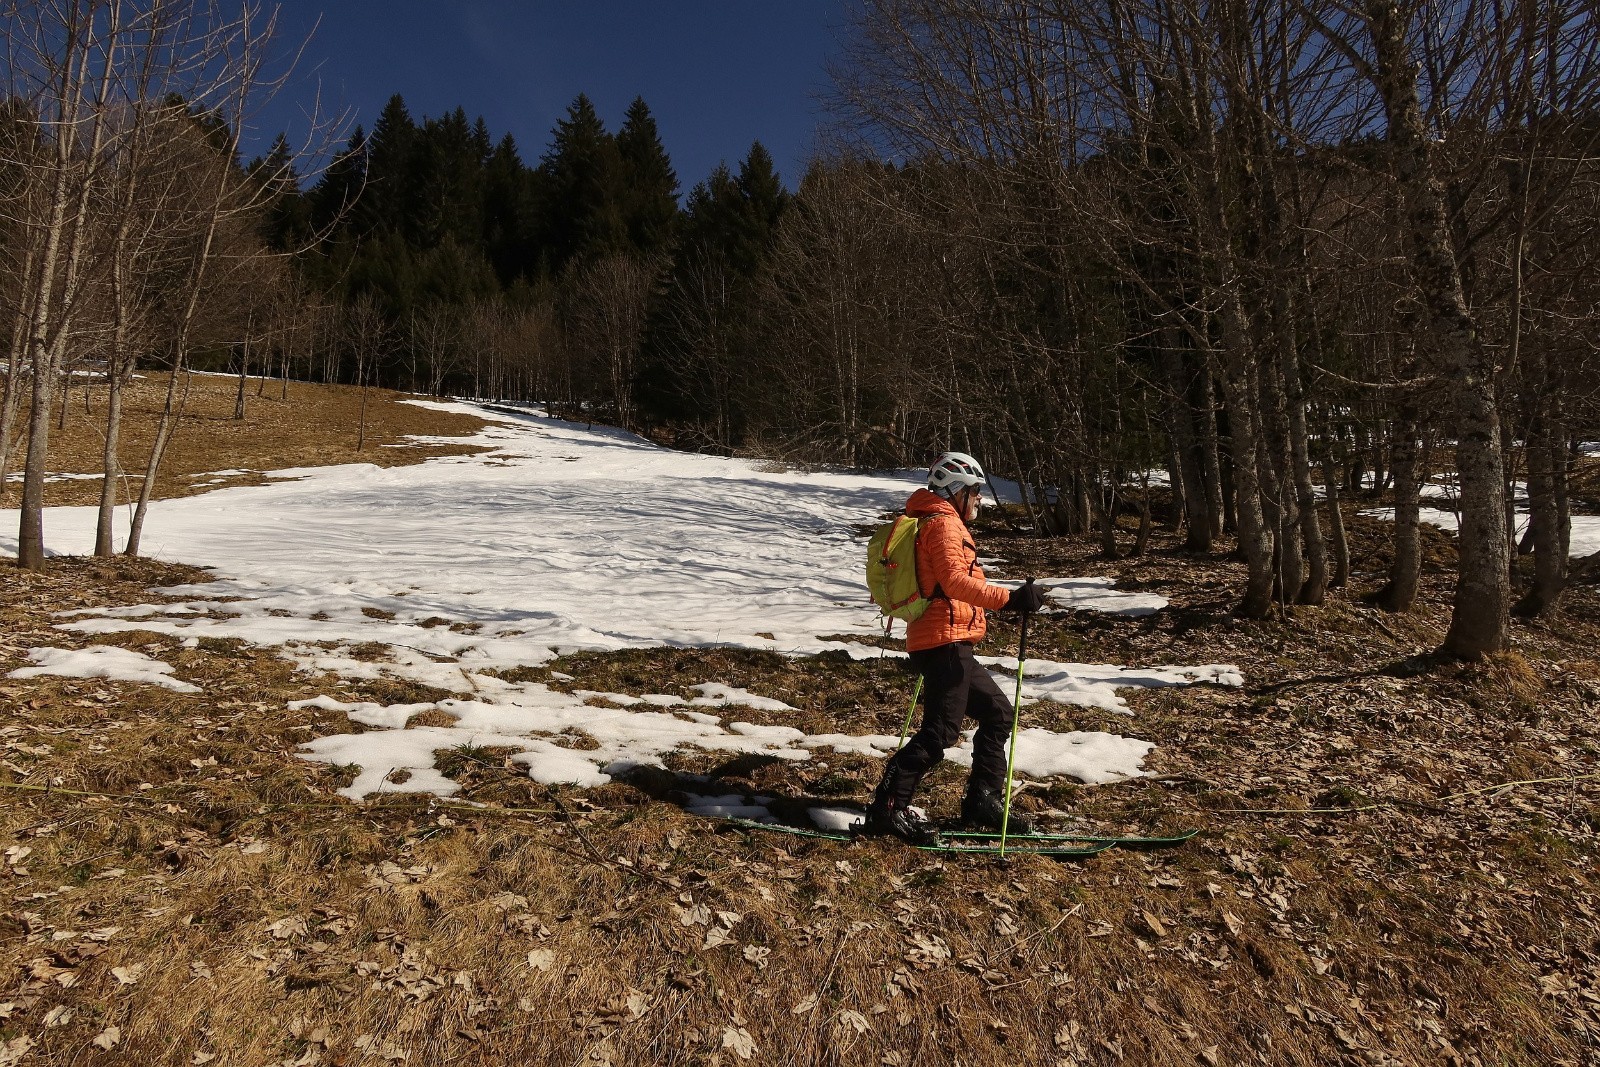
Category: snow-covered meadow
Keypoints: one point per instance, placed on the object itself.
(562, 538)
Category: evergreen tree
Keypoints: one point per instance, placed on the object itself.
(764, 200)
(335, 194)
(385, 269)
(286, 219)
(715, 218)
(443, 184)
(508, 212)
(482, 143)
(583, 202)
(701, 346)
(651, 186)
(384, 201)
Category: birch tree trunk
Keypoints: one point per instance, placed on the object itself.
(52, 315)
(12, 399)
(172, 409)
(119, 366)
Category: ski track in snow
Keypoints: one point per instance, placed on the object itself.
(564, 538)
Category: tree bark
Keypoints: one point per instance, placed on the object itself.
(1105, 506)
(49, 322)
(1480, 621)
(12, 398)
(1546, 467)
(1255, 538)
(1316, 548)
(1278, 499)
(1405, 571)
(244, 377)
(1341, 543)
(110, 465)
(1200, 500)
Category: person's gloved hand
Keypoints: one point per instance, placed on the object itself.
(1026, 599)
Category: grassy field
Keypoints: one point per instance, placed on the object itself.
(303, 426)
(1396, 863)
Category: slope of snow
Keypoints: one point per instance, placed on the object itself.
(560, 539)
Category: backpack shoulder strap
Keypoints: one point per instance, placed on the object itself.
(938, 591)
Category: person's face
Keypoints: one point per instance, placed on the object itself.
(968, 503)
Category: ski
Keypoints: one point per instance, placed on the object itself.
(1019, 846)
(785, 828)
(1132, 842)
(1031, 846)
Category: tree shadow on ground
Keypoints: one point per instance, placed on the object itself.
(1416, 666)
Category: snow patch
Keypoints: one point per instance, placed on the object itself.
(1585, 539)
(562, 740)
(560, 538)
(716, 694)
(49, 478)
(102, 661)
(1096, 594)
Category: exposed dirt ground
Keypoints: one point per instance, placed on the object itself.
(1396, 862)
(313, 426)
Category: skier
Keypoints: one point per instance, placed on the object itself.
(941, 644)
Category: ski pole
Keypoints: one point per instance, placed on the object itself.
(1016, 714)
(906, 729)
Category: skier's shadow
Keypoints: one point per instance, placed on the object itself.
(727, 792)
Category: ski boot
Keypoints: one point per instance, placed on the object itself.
(905, 823)
(984, 809)
(890, 814)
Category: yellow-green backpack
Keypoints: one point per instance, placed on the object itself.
(892, 569)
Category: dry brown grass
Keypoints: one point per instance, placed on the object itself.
(315, 426)
(276, 923)
(1397, 864)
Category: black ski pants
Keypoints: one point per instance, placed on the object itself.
(954, 688)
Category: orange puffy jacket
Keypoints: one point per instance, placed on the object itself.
(949, 575)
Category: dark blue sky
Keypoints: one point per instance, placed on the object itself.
(717, 74)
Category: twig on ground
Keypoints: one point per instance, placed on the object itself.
(1396, 802)
(1381, 625)
(1069, 913)
(573, 822)
(1523, 781)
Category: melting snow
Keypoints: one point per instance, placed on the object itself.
(102, 661)
(1585, 539)
(559, 539)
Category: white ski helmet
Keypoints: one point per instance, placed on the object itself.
(953, 472)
